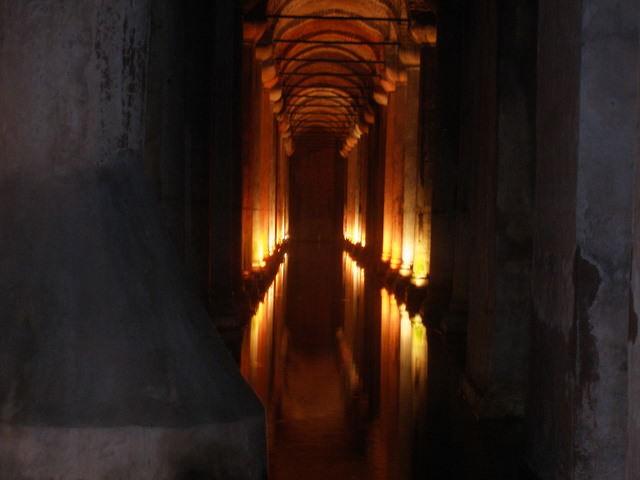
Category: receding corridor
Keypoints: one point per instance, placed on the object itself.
(333, 239)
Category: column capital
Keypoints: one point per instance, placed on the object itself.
(252, 31)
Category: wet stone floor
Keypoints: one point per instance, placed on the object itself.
(342, 370)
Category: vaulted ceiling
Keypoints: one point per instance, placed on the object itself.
(327, 62)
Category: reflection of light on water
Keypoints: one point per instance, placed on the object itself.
(369, 410)
(403, 370)
(258, 342)
(349, 336)
(389, 388)
(257, 324)
(419, 363)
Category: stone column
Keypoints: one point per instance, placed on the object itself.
(225, 174)
(109, 365)
(394, 175)
(587, 134)
(273, 185)
(282, 193)
(164, 152)
(412, 244)
(375, 188)
(351, 198)
(387, 154)
(265, 173)
(633, 422)
(502, 152)
(425, 235)
(397, 173)
(249, 113)
(363, 168)
(441, 120)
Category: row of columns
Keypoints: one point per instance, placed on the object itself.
(265, 160)
(403, 199)
(539, 220)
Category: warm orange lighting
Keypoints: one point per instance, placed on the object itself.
(386, 245)
(396, 245)
(419, 363)
(257, 326)
(272, 242)
(259, 254)
(357, 234)
(349, 335)
(259, 337)
(407, 254)
(405, 270)
(419, 282)
(421, 255)
(257, 348)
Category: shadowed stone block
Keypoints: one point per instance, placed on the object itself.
(109, 366)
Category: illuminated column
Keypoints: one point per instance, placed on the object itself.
(411, 164)
(423, 215)
(257, 240)
(266, 177)
(284, 193)
(363, 167)
(273, 161)
(398, 176)
(348, 198)
(262, 180)
(355, 193)
(352, 196)
(250, 121)
(285, 185)
(394, 84)
(267, 204)
(389, 165)
(386, 216)
(279, 194)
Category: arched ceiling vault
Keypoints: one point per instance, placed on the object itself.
(326, 62)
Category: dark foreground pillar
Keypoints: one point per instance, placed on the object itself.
(587, 110)
(109, 366)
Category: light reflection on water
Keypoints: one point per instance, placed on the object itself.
(341, 369)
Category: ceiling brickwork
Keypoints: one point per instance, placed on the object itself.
(327, 62)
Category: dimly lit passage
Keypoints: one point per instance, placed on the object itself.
(319, 238)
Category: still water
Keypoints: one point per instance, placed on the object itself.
(341, 369)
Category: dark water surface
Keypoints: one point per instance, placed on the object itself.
(341, 369)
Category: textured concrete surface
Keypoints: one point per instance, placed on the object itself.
(122, 453)
(633, 343)
(633, 422)
(104, 348)
(587, 112)
(606, 155)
